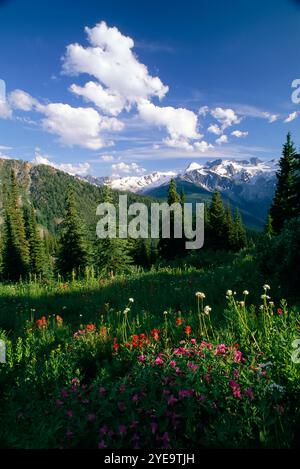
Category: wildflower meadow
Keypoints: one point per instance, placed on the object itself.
(172, 379)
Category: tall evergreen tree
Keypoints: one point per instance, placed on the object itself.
(283, 206)
(239, 240)
(229, 228)
(269, 231)
(217, 223)
(112, 254)
(16, 250)
(73, 252)
(38, 264)
(172, 247)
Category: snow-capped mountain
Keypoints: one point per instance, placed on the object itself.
(219, 174)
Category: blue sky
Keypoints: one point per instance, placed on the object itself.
(150, 85)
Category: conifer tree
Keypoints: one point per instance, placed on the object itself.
(73, 252)
(16, 250)
(269, 231)
(112, 254)
(239, 240)
(229, 228)
(283, 206)
(217, 223)
(172, 247)
(38, 264)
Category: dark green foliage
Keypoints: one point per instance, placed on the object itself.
(73, 254)
(217, 230)
(112, 254)
(173, 247)
(38, 263)
(279, 258)
(283, 206)
(15, 256)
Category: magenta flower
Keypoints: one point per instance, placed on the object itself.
(173, 363)
(236, 390)
(69, 414)
(142, 358)
(193, 341)
(238, 356)
(221, 349)
(172, 400)
(159, 361)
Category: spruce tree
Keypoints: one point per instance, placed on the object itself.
(269, 231)
(283, 206)
(113, 255)
(229, 228)
(16, 250)
(240, 239)
(217, 223)
(73, 252)
(38, 264)
(172, 247)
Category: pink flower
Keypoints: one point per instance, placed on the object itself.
(75, 382)
(235, 374)
(135, 398)
(159, 361)
(238, 356)
(173, 363)
(69, 414)
(221, 349)
(193, 341)
(193, 367)
(172, 400)
(236, 390)
(185, 393)
(142, 358)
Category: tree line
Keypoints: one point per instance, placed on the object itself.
(25, 249)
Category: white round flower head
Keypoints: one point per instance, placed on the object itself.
(207, 310)
(266, 287)
(131, 300)
(165, 313)
(261, 307)
(229, 293)
(271, 303)
(201, 295)
(245, 292)
(264, 297)
(242, 303)
(126, 310)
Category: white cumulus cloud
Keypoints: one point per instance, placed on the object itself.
(111, 60)
(222, 139)
(80, 169)
(239, 133)
(21, 100)
(214, 129)
(78, 126)
(107, 101)
(125, 168)
(180, 123)
(227, 117)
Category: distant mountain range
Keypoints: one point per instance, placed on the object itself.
(246, 184)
